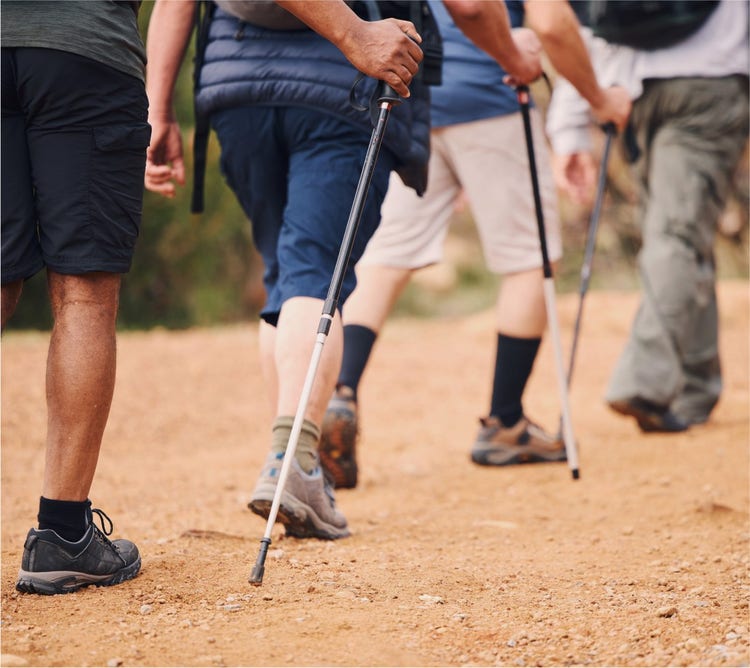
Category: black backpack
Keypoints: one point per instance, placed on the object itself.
(645, 24)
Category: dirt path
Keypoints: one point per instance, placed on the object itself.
(642, 562)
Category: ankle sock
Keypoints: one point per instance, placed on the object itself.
(358, 343)
(68, 519)
(306, 453)
(513, 364)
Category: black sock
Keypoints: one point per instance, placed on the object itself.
(513, 364)
(68, 519)
(358, 342)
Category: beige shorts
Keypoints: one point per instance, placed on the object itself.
(488, 159)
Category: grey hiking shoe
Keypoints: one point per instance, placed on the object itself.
(338, 438)
(308, 506)
(523, 443)
(53, 565)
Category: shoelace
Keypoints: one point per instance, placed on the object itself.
(328, 489)
(106, 527)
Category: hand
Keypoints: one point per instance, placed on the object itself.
(614, 108)
(529, 66)
(386, 50)
(164, 162)
(575, 175)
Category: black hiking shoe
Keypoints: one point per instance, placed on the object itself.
(338, 439)
(53, 565)
(651, 417)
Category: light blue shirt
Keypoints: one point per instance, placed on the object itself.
(473, 87)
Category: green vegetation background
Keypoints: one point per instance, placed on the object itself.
(200, 270)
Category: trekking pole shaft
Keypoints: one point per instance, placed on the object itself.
(523, 99)
(571, 450)
(588, 255)
(329, 309)
(360, 196)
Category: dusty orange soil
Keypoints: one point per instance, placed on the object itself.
(642, 562)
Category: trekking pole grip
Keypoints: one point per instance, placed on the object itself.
(387, 94)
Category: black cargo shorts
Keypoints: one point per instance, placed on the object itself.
(74, 139)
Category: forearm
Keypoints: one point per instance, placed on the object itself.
(559, 31)
(169, 31)
(332, 19)
(487, 25)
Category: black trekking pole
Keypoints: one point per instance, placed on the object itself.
(571, 451)
(387, 98)
(588, 255)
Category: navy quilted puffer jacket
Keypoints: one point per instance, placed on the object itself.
(247, 65)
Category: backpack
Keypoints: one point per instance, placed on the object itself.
(646, 24)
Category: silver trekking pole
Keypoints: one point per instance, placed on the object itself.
(386, 100)
(588, 256)
(571, 451)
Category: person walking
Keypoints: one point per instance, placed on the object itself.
(477, 148)
(292, 148)
(687, 132)
(74, 135)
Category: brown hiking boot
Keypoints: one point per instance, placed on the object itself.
(523, 443)
(338, 439)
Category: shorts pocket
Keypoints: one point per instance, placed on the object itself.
(118, 137)
(118, 163)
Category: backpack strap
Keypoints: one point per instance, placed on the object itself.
(203, 12)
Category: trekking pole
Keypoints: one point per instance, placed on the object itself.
(588, 255)
(387, 98)
(571, 452)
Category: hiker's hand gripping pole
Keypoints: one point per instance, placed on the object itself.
(387, 98)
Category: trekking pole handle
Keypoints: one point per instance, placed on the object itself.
(387, 94)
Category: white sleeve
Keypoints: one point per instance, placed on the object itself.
(568, 120)
(569, 117)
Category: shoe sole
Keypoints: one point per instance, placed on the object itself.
(65, 582)
(337, 443)
(299, 519)
(647, 421)
(512, 456)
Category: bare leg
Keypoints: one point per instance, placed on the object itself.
(11, 293)
(295, 339)
(377, 290)
(267, 349)
(80, 379)
(521, 311)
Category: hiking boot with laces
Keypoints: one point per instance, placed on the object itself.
(53, 565)
(523, 443)
(338, 438)
(308, 505)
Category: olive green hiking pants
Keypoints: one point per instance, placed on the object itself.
(691, 133)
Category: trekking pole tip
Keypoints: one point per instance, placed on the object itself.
(576, 474)
(256, 577)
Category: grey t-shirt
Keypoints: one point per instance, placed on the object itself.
(103, 30)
